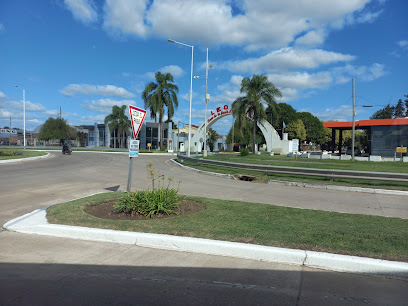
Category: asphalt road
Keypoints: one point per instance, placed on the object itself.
(45, 270)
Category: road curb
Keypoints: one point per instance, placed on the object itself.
(16, 160)
(229, 176)
(340, 188)
(36, 223)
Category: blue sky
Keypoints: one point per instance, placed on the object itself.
(86, 56)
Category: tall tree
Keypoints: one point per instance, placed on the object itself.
(113, 119)
(406, 105)
(384, 113)
(258, 90)
(314, 127)
(296, 129)
(124, 125)
(56, 129)
(212, 138)
(284, 113)
(159, 95)
(399, 110)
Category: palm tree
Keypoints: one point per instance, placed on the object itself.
(258, 91)
(114, 120)
(124, 125)
(212, 138)
(158, 95)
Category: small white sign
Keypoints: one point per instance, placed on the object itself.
(8, 131)
(295, 145)
(133, 148)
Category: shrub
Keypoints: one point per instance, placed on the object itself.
(244, 152)
(158, 201)
(149, 202)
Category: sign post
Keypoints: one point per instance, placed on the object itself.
(401, 150)
(137, 116)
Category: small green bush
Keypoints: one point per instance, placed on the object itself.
(158, 201)
(9, 153)
(149, 202)
(244, 152)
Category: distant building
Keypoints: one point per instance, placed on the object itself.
(383, 135)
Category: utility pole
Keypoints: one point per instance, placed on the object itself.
(178, 136)
(354, 125)
(207, 97)
(233, 132)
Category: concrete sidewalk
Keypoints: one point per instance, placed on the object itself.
(36, 223)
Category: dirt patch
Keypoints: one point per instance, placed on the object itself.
(105, 210)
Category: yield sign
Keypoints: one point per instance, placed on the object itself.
(137, 116)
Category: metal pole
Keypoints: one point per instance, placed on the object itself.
(354, 127)
(191, 99)
(24, 118)
(10, 133)
(206, 102)
(129, 182)
(178, 136)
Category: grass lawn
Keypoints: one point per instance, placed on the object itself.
(265, 159)
(4, 153)
(360, 235)
(264, 178)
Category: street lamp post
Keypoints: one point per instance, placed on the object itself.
(191, 91)
(24, 129)
(207, 98)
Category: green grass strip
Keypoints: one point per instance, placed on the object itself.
(360, 235)
(21, 153)
(265, 159)
(264, 177)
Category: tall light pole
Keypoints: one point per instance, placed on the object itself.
(191, 91)
(207, 98)
(24, 129)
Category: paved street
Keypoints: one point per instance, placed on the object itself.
(46, 270)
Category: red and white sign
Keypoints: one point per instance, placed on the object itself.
(137, 116)
(220, 111)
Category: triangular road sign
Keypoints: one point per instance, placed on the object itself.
(137, 116)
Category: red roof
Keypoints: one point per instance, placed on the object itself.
(366, 123)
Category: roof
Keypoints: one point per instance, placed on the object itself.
(366, 123)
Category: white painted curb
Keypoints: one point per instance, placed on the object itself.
(340, 188)
(15, 160)
(36, 223)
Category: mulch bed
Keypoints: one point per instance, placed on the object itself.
(105, 210)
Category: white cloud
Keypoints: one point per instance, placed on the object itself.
(287, 59)
(102, 90)
(341, 113)
(312, 38)
(105, 105)
(2, 96)
(29, 106)
(403, 43)
(4, 113)
(87, 120)
(175, 70)
(368, 17)
(125, 16)
(301, 80)
(364, 73)
(259, 24)
(82, 10)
